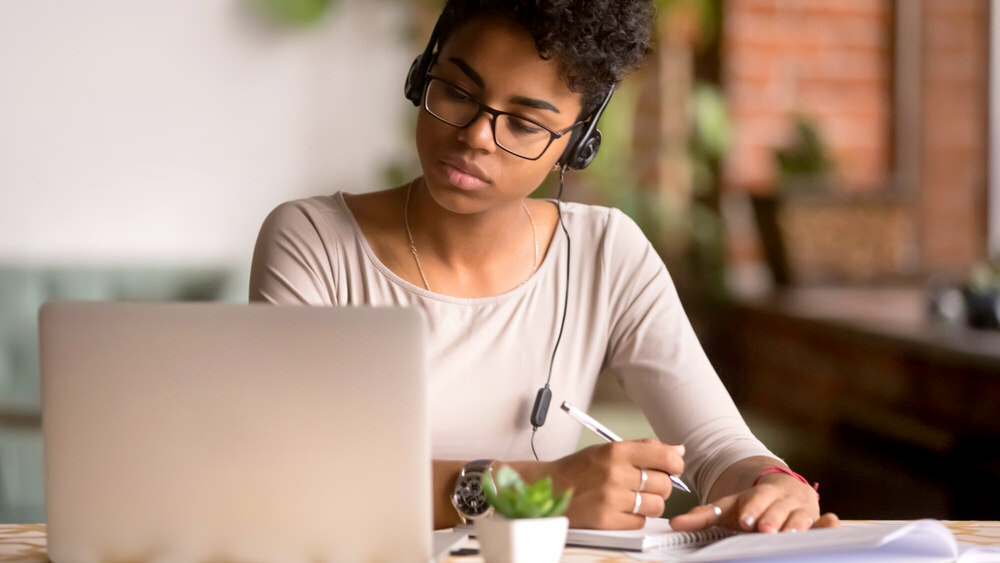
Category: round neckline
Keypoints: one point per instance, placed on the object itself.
(554, 246)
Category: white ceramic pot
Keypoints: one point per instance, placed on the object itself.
(522, 540)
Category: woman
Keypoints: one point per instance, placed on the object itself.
(523, 293)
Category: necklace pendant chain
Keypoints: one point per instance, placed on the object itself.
(413, 246)
(409, 235)
(534, 236)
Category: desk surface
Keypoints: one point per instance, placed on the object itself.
(26, 543)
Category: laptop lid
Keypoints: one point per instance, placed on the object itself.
(193, 432)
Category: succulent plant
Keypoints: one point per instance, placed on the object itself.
(513, 498)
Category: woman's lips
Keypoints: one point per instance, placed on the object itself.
(463, 176)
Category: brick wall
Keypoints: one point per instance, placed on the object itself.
(834, 61)
(827, 59)
(954, 115)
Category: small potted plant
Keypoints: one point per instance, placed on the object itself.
(982, 295)
(527, 523)
(803, 179)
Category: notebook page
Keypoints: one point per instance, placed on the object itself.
(655, 535)
(446, 540)
(922, 540)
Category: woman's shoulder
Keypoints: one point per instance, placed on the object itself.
(324, 214)
(295, 211)
(309, 223)
(599, 221)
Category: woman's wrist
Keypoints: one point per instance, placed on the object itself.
(780, 470)
(445, 473)
(530, 471)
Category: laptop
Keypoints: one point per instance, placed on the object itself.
(197, 432)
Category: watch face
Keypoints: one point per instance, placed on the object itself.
(469, 496)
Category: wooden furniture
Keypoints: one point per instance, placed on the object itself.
(869, 364)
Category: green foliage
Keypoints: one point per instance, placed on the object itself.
(708, 14)
(294, 12)
(613, 171)
(805, 158)
(712, 130)
(513, 498)
(984, 277)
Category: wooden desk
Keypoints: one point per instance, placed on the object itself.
(25, 543)
(870, 365)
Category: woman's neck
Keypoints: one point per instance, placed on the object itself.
(475, 254)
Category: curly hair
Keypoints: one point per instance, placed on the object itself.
(594, 42)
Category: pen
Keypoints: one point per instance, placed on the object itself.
(602, 431)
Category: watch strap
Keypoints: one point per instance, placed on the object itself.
(478, 466)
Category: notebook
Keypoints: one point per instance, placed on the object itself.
(655, 535)
(196, 432)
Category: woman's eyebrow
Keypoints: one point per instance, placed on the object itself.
(534, 103)
(464, 67)
(519, 100)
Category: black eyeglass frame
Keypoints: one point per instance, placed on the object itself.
(494, 113)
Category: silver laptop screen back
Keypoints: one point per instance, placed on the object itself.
(237, 432)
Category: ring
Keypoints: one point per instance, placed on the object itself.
(642, 480)
(717, 511)
(638, 503)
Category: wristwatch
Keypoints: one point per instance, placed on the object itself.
(468, 497)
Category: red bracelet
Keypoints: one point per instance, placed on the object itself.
(786, 471)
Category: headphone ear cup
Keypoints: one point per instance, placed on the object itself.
(585, 151)
(567, 155)
(414, 87)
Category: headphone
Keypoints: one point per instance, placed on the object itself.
(579, 153)
(582, 147)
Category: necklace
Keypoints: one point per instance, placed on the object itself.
(413, 247)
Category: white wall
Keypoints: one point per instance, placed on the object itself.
(165, 131)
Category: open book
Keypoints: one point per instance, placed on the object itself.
(911, 541)
(920, 540)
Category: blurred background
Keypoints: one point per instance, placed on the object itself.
(818, 176)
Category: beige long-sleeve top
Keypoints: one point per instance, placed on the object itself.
(489, 356)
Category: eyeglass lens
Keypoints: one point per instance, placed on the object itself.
(515, 134)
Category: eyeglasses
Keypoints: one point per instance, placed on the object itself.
(513, 133)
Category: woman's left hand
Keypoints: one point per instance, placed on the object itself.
(778, 503)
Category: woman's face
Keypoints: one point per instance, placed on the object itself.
(496, 62)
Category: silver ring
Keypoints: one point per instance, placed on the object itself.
(642, 480)
(717, 511)
(638, 503)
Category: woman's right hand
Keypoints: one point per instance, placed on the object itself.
(605, 479)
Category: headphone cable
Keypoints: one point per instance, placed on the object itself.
(562, 323)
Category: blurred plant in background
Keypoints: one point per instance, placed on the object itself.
(804, 165)
(293, 13)
(982, 295)
(665, 135)
(985, 277)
